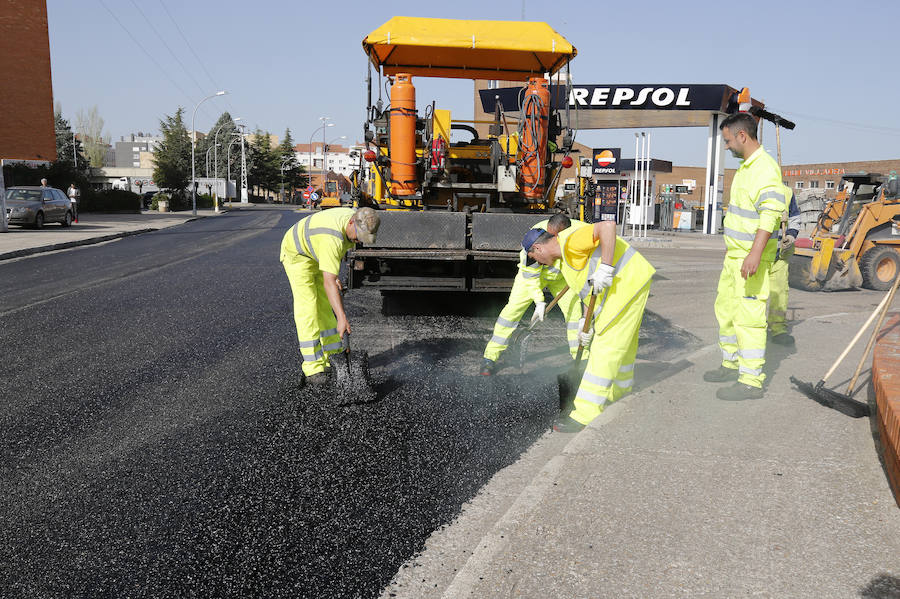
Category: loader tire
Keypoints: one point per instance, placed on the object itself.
(798, 274)
(879, 267)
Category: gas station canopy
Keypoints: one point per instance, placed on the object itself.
(505, 50)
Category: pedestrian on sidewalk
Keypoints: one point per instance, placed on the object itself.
(754, 213)
(74, 193)
(595, 261)
(311, 253)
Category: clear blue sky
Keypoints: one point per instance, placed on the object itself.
(829, 66)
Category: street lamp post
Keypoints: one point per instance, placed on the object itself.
(325, 157)
(284, 162)
(323, 119)
(193, 141)
(238, 138)
(216, 162)
(207, 160)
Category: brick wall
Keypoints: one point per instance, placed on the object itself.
(26, 92)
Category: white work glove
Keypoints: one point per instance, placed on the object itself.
(540, 310)
(787, 242)
(584, 338)
(602, 277)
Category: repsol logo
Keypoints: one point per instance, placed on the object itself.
(604, 171)
(631, 97)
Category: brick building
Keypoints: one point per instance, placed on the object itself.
(26, 94)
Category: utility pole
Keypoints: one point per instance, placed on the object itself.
(244, 190)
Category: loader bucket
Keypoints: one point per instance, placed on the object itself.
(845, 275)
(799, 273)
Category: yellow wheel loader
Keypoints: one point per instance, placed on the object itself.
(856, 241)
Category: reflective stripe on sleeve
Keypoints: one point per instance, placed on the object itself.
(328, 333)
(769, 194)
(527, 274)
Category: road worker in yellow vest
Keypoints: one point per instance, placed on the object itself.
(528, 287)
(778, 276)
(754, 214)
(595, 261)
(311, 252)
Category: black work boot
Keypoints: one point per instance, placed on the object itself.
(317, 379)
(566, 424)
(785, 339)
(739, 392)
(488, 367)
(722, 374)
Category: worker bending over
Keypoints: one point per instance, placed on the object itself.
(778, 276)
(311, 253)
(528, 287)
(594, 260)
(754, 212)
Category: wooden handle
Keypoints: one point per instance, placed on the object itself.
(588, 319)
(557, 298)
(875, 331)
(855, 339)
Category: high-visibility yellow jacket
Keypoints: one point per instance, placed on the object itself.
(581, 256)
(757, 201)
(320, 238)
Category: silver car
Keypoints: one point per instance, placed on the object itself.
(34, 206)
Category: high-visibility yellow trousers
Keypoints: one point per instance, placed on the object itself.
(610, 369)
(741, 311)
(778, 296)
(313, 316)
(515, 308)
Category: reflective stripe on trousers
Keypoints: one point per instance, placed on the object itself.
(313, 317)
(741, 312)
(610, 370)
(778, 296)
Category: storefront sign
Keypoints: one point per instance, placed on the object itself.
(606, 161)
(661, 96)
(814, 171)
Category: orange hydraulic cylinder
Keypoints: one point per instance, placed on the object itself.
(536, 114)
(403, 136)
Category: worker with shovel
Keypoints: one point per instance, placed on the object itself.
(528, 287)
(755, 210)
(613, 279)
(311, 252)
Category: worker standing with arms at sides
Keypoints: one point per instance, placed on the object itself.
(778, 276)
(528, 287)
(596, 261)
(754, 212)
(311, 252)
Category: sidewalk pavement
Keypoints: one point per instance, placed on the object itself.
(674, 493)
(91, 228)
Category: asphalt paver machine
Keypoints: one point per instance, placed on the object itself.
(454, 211)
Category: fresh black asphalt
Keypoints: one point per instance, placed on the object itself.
(155, 440)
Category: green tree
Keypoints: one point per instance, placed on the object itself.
(226, 128)
(67, 151)
(263, 163)
(293, 172)
(172, 159)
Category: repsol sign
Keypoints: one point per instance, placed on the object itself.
(660, 96)
(647, 97)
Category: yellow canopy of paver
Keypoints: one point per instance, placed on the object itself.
(504, 50)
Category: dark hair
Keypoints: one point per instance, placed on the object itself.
(559, 221)
(740, 121)
(544, 238)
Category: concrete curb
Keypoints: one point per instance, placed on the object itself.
(70, 244)
(886, 378)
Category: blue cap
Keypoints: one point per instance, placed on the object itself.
(530, 237)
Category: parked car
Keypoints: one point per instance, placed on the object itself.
(33, 206)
